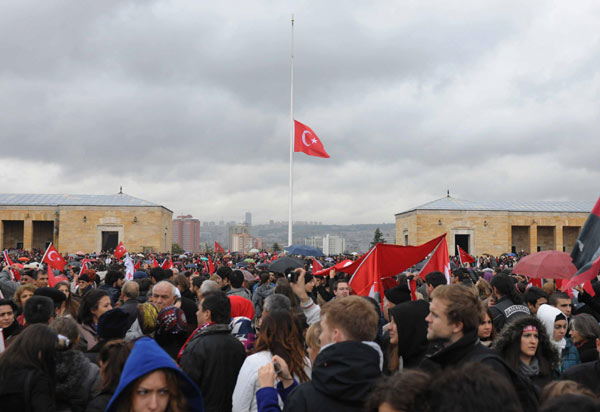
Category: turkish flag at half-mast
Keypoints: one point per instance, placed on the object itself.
(464, 256)
(305, 140)
(586, 253)
(53, 258)
(120, 251)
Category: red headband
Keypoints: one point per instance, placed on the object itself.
(530, 328)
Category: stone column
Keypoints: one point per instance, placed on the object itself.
(27, 233)
(533, 237)
(558, 238)
(2, 234)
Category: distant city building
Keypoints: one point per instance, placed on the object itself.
(329, 244)
(186, 233)
(241, 242)
(315, 241)
(235, 229)
(333, 245)
(248, 218)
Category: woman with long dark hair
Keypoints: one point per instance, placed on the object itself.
(111, 358)
(28, 369)
(93, 305)
(487, 331)
(279, 335)
(526, 348)
(70, 306)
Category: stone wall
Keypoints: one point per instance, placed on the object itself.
(491, 231)
(80, 227)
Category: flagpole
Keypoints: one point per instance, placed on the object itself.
(291, 137)
(44, 257)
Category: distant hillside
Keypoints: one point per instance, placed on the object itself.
(358, 237)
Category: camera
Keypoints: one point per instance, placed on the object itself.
(291, 274)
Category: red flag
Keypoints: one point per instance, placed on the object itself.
(53, 258)
(120, 251)
(316, 266)
(211, 267)
(586, 253)
(337, 267)
(384, 261)
(273, 258)
(219, 248)
(464, 256)
(154, 262)
(51, 279)
(137, 265)
(167, 263)
(305, 140)
(439, 261)
(13, 273)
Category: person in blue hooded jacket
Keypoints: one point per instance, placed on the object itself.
(152, 381)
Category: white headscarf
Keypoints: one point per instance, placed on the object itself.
(547, 314)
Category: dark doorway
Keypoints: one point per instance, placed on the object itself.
(110, 240)
(463, 242)
(13, 234)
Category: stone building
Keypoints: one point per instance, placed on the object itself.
(89, 223)
(494, 227)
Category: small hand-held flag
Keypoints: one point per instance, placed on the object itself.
(53, 258)
(13, 273)
(120, 251)
(306, 141)
(219, 248)
(464, 256)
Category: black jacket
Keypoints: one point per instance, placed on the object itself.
(130, 307)
(213, 359)
(465, 350)
(16, 394)
(505, 311)
(342, 378)
(588, 374)
(76, 380)
(587, 351)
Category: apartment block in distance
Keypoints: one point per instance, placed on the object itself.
(186, 233)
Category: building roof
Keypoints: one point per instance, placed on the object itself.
(28, 199)
(452, 203)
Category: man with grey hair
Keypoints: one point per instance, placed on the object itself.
(208, 286)
(276, 303)
(164, 294)
(129, 294)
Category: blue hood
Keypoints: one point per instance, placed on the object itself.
(145, 357)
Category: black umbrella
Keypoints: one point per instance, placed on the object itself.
(281, 264)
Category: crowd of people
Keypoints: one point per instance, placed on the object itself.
(240, 336)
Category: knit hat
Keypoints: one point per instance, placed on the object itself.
(140, 274)
(147, 315)
(113, 324)
(398, 294)
(171, 320)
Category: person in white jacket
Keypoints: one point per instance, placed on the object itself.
(279, 335)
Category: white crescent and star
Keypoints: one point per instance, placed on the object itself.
(312, 141)
(50, 256)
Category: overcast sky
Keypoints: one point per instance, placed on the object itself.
(186, 103)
